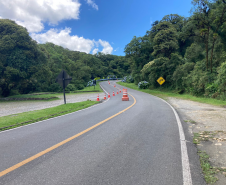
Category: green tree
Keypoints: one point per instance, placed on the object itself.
(18, 54)
(165, 41)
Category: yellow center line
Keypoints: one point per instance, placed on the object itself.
(62, 143)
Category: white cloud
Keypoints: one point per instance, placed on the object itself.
(91, 3)
(64, 39)
(95, 51)
(107, 47)
(116, 49)
(75, 43)
(33, 13)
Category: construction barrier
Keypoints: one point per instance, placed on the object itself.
(125, 95)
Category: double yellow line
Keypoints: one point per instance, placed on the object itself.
(62, 143)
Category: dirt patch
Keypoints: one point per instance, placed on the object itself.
(208, 124)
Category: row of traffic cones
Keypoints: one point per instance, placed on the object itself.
(98, 99)
(124, 98)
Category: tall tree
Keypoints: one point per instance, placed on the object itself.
(165, 41)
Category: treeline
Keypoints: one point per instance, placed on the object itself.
(189, 53)
(27, 67)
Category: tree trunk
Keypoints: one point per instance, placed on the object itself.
(211, 58)
(207, 42)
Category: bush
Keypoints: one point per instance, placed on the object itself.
(80, 86)
(221, 78)
(211, 90)
(128, 79)
(70, 87)
(195, 82)
(14, 92)
(55, 87)
(143, 85)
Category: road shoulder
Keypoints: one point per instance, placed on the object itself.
(207, 123)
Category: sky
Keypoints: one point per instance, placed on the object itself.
(90, 26)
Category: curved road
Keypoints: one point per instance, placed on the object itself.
(141, 145)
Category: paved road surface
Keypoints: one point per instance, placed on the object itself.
(139, 146)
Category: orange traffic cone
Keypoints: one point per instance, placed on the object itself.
(125, 96)
(113, 93)
(98, 98)
(109, 95)
(120, 91)
(117, 91)
(114, 85)
(105, 97)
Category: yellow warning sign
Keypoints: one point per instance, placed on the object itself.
(161, 80)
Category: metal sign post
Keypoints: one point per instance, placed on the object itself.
(94, 83)
(63, 79)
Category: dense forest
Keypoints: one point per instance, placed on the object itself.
(189, 53)
(26, 66)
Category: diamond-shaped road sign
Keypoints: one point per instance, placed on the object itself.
(161, 80)
(63, 79)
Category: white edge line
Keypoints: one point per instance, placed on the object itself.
(57, 116)
(187, 180)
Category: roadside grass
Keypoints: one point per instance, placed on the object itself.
(92, 89)
(16, 120)
(164, 94)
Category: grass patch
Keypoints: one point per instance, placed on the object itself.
(217, 135)
(190, 121)
(16, 120)
(92, 89)
(208, 170)
(164, 94)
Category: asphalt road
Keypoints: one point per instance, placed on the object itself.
(139, 146)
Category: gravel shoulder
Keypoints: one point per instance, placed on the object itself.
(202, 117)
(15, 107)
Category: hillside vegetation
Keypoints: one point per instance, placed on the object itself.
(26, 66)
(189, 53)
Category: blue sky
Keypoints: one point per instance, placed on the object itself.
(90, 25)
